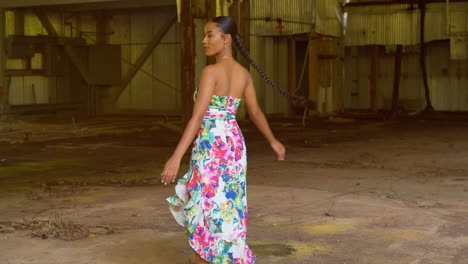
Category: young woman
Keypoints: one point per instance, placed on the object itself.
(210, 200)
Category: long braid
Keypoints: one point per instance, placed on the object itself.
(297, 99)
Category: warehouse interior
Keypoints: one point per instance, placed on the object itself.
(94, 96)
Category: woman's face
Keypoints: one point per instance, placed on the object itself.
(214, 39)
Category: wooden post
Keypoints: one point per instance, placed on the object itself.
(3, 84)
(373, 77)
(396, 81)
(187, 58)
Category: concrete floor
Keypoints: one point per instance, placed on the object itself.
(349, 192)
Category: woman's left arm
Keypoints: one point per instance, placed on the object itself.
(205, 92)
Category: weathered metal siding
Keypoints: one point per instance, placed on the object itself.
(86, 27)
(120, 26)
(32, 25)
(395, 24)
(329, 15)
(166, 69)
(458, 27)
(29, 89)
(297, 16)
(156, 86)
(10, 22)
(448, 80)
(270, 49)
(141, 31)
(399, 24)
(257, 54)
(271, 54)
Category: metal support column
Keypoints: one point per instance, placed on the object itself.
(373, 77)
(187, 58)
(4, 102)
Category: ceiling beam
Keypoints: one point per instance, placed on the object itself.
(84, 5)
(30, 3)
(393, 2)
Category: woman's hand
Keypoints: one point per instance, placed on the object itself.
(279, 149)
(171, 168)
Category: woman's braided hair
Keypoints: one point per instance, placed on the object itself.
(228, 26)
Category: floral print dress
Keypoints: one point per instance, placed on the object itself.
(211, 199)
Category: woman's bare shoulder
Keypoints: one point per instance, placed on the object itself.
(210, 68)
(242, 71)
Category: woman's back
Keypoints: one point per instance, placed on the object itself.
(231, 78)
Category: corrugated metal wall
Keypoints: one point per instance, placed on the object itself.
(399, 24)
(458, 27)
(270, 44)
(25, 90)
(270, 53)
(10, 22)
(448, 80)
(297, 16)
(28, 89)
(156, 86)
(328, 20)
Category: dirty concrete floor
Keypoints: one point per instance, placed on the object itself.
(349, 192)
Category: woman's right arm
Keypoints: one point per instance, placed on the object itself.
(258, 118)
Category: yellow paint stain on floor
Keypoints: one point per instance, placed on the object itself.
(328, 228)
(290, 249)
(304, 250)
(397, 234)
(274, 222)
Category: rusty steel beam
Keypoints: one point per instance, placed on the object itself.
(146, 53)
(187, 59)
(396, 81)
(4, 102)
(74, 58)
(373, 77)
(239, 11)
(211, 13)
(393, 2)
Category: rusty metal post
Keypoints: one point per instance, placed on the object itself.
(373, 77)
(396, 81)
(101, 27)
(313, 70)
(211, 13)
(292, 65)
(187, 59)
(19, 22)
(240, 12)
(422, 55)
(3, 84)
